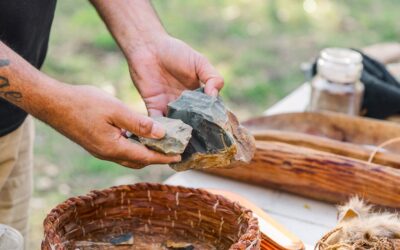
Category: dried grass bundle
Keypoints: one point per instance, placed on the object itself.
(150, 216)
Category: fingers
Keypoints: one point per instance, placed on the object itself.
(138, 124)
(130, 165)
(213, 86)
(155, 112)
(130, 154)
(209, 76)
(133, 155)
(157, 104)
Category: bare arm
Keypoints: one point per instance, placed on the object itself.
(84, 114)
(133, 23)
(160, 65)
(384, 52)
(25, 86)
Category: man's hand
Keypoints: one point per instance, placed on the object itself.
(163, 68)
(86, 115)
(95, 120)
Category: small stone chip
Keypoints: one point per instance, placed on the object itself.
(123, 239)
(176, 138)
(171, 245)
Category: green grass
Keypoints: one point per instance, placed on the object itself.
(257, 46)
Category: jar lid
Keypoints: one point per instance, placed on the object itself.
(340, 65)
(341, 55)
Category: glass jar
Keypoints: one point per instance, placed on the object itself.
(336, 86)
(10, 238)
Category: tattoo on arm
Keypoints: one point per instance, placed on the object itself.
(4, 62)
(14, 96)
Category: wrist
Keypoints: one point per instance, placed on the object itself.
(49, 99)
(147, 44)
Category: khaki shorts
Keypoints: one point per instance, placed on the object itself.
(16, 165)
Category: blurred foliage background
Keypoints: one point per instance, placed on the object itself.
(257, 45)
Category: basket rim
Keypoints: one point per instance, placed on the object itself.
(249, 239)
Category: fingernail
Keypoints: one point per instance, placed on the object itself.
(214, 93)
(157, 131)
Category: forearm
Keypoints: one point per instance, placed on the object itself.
(84, 114)
(161, 66)
(384, 52)
(133, 23)
(25, 86)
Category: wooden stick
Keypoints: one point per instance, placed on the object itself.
(340, 127)
(329, 145)
(319, 175)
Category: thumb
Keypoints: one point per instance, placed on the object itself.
(139, 124)
(209, 76)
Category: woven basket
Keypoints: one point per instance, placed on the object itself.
(153, 216)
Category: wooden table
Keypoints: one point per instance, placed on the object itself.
(307, 218)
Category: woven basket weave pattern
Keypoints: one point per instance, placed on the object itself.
(152, 209)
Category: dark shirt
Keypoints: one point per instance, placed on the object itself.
(25, 28)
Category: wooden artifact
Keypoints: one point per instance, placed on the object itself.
(142, 215)
(217, 139)
(356, 130)
(328, 161)
(361, 152)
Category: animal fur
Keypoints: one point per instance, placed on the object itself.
(359, 223)
(356, 205)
